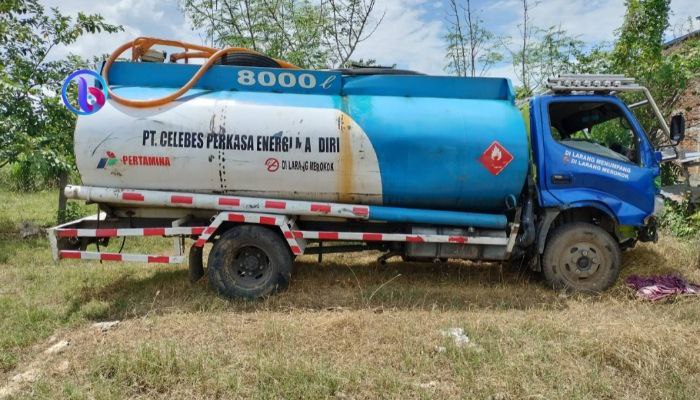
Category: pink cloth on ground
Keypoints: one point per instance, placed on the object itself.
(660, 287)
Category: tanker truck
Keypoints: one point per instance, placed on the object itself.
(264, 162)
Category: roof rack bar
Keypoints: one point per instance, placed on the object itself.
(610, 83)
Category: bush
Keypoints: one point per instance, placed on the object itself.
(72, 212)
(681, 220)
(29, 175)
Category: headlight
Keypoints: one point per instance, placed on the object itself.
(659, 205)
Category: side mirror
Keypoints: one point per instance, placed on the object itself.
(677, 128)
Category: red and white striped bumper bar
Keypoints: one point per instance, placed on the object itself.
(296, 238)
(214, 202)
(99, 256)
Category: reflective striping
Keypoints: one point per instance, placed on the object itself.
(268, 220)
(372, 237)
(132, 196)
(236, 218)
(361, 211)
(105, 232)
(398, 237)
(322, 208)
(159, 259)
(328, 235)
(278, 205)
(282, 222)
(458, 239)
(295, 238)
(110, 257)
(195, 230)
(181, 199)
(158, 198)
(229, 201)
(96, 256)
(67, 233)
(252, 218)
(69, 254)
(154, 232)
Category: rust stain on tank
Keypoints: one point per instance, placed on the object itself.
(346, 171)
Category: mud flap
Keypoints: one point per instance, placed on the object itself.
(196, 266)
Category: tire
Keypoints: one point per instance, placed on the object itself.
(249, 262)
(581, 257)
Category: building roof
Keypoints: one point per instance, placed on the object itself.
(680, 39)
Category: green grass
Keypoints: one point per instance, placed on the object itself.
(349, 328)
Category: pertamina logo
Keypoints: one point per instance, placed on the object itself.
(495, 158)
(108, 161)
(133, 161)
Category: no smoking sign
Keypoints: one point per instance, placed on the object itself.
(272, 164)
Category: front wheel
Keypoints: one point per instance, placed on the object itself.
(581, 257)
(249, 262)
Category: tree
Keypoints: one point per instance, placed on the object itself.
(522, 58)
(543, 53)
(36, 130)
(639, 47)
(472, 49)
(639, 53)
(349, 23)
(313, 34)
(553, 52)
(547, 53)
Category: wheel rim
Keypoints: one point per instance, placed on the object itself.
(583, 263)
(250, 266)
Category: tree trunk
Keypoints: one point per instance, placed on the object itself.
(62, 182)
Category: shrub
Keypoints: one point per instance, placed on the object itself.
(681, 219)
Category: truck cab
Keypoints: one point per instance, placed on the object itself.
(595, 165)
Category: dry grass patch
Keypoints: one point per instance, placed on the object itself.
(589, 350)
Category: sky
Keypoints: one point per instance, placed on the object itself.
(410, 35)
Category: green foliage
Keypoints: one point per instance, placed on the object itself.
(639, 48)
(548, 52)
(35, 128)
(541, 53)
(471, 48)
(612, 132)
(72, 212)
(596, 60)
(681, 219)
(306, 33)
(639, 53)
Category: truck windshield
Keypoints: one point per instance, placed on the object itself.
(594, 127)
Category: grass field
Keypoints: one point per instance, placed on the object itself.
(347, 329)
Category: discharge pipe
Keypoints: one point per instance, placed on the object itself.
(141, 45)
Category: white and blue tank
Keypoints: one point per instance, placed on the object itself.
(411, 141)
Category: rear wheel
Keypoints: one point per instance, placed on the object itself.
(581, 257)
(249, 262)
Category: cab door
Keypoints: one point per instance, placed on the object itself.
(594, 152)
